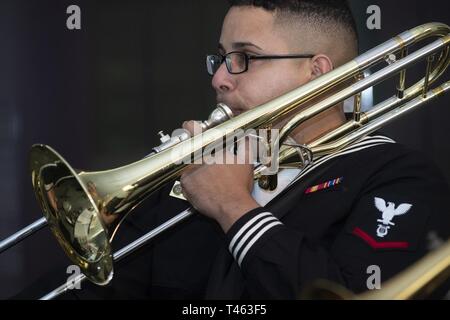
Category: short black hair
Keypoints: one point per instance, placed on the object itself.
(334, 11)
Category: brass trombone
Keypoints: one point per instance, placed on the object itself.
(79, 206)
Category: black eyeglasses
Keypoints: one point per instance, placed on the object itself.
(237, 62)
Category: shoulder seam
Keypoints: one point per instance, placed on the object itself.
(365, 143)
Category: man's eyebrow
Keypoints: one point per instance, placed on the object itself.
(239, 45)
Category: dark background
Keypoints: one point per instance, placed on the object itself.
(100, 94)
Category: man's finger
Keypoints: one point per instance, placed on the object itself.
(194, 127)
(190, 168)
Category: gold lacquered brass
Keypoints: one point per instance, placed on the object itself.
(72, 213)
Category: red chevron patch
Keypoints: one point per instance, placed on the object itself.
(379, 245)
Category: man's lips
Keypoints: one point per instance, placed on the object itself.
(236, 112)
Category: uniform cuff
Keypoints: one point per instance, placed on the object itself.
(248, 230)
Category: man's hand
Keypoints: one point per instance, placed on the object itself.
(219, 191)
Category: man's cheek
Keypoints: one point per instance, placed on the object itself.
(259, 94)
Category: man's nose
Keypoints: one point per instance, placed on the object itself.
(222, 80)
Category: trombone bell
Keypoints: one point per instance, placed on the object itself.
(71, 213)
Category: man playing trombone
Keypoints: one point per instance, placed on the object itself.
(371, 205)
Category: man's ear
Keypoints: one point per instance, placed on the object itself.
(321, 64)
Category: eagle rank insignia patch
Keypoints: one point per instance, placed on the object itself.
(388, 212)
